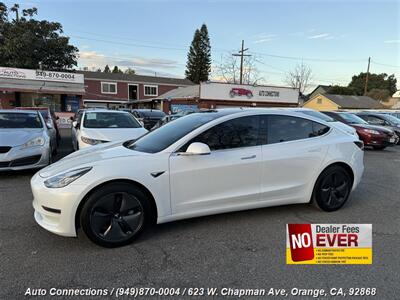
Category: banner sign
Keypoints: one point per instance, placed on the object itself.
(28, 74)
(251, 93)
(329, 243)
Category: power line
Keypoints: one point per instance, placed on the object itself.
(386, 65)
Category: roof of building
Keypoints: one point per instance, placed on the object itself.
(325, 87)
(134, 78)
(345, 101)
(187, 92)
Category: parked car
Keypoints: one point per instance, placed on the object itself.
(25, 141)
(385, 120)
(51, 123)
(201, 164)
(148, 117)
(377, 137)
(94, 127)
(166, 119)
(316, 114)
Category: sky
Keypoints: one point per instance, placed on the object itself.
(335, 38)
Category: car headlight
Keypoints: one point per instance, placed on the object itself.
(92, 141)
(62, 180)
(37, 141)
(371, 131)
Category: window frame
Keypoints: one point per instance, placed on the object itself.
(293, 141)
(103, 83)
(150, 86)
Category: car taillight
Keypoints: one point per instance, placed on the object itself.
(360, 144)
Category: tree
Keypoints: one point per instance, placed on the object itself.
(29, 43)
(375, 81)
(107, 69)
(229, 70)
(379, 94)
(130, 71)
(299, 77)
(198, 66)
(116, 70)
(340, 90)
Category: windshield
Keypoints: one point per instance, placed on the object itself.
(318, 115)
(163, 137)
(391, 119)
(352, 119)
(20, 120)
(110, 120)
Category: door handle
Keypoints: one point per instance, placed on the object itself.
(249, 157)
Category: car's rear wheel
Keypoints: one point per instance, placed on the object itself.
(115, 214)
(332, 188)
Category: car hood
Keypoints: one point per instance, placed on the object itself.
(113, 134)
(88, 157)
(18, 136)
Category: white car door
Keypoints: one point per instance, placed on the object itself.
(226, 179)
(291, 158)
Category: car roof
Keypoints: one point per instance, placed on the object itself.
(107, 111)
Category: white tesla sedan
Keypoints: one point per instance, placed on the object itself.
(204, 163)
(94, 127)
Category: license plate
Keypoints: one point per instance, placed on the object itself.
(392, 140)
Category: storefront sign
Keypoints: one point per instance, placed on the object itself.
(14, 73)
(329, 244)
(235, 92)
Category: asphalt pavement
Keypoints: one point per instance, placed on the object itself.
(238, 250)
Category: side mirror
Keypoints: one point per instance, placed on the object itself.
(197, 149)
(75, 124)
(49, 125)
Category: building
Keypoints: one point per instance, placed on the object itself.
(115, 90)
(329, 102)
(61, 91)
(210, 95)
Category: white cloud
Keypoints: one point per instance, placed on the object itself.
(319, 36)
(94, 60)
(263, 38)
(392, 42)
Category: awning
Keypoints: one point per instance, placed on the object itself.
(37, 86)
(104, 101)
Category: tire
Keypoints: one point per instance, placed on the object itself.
(116, 214)
(332, 189)
(379, 147)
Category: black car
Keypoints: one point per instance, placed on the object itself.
(385, 120)
(149, 117)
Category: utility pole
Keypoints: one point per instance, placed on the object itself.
(242, 55)
(366, 77)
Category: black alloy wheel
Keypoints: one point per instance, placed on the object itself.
(332, 188)
(115, 215)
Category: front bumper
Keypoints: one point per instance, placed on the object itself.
(55, 208)
(21, 159)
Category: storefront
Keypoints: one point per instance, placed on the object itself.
(60, 91)
(209, 95)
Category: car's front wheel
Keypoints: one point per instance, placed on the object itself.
(115, 214)
(332, 188)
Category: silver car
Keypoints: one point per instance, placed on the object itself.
(25, 141)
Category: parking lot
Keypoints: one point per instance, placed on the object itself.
(239, 250)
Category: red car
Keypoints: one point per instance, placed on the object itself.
(240, 92)
(378, 137)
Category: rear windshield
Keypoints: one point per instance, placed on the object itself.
(109, 120)
(151, 113)
(317, 114)
(20, 120)
(352, 119)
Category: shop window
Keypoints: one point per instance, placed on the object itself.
(108, 88)
(150, 90)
